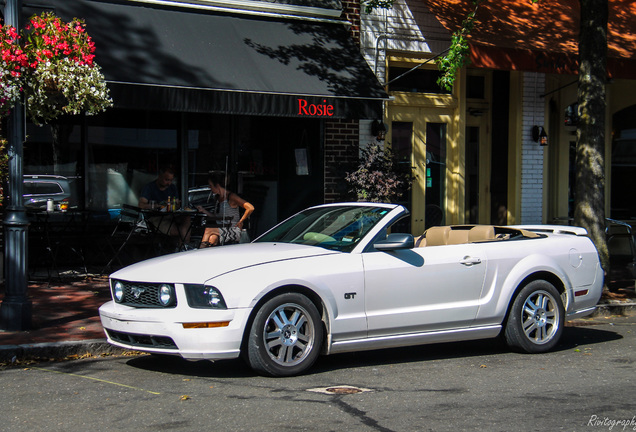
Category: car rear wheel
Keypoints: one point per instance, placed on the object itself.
(536, 319)
(286, 336)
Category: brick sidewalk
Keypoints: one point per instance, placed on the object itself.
(62, 311)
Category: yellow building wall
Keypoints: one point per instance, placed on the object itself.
(420, 109)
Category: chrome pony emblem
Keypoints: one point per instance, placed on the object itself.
(137, 291)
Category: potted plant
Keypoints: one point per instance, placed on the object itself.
(376, 178)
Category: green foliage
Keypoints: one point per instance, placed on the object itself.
(458, 53)
(370, 5)
(376, 179)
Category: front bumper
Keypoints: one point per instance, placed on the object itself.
(162, 331)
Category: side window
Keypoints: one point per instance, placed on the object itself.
(381, 236)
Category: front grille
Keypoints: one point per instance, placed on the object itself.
(142, 295)
(142, 341)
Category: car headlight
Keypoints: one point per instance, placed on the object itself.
(166, 295)
(204, 296)
(118, 291)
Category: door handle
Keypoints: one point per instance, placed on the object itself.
(470, 261)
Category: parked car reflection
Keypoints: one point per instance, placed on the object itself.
(201, 196)
(38, 189)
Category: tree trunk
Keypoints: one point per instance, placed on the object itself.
(589, 206)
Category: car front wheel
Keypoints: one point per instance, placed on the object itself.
(536, 319)
(286, 336)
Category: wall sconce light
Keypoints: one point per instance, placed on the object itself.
(539, 135)
(378, 129)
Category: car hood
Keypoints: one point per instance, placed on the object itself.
(201, 265)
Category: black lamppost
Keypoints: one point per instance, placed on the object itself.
(15, 310)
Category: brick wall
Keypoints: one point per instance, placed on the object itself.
(341, 156)
(351, 12)
(532, 152)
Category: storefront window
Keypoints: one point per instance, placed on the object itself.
(125, 151)
(435, 164)
(572, 114)
(476, 87)
(623, 193)
(402, 146)
(472, 175)
(209, 146)
(275, 163)
(53, 150)
(415, 81)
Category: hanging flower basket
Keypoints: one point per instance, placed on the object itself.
(51, 63)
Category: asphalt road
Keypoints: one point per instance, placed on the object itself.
(587, 384)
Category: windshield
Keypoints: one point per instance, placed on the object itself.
(334, 228)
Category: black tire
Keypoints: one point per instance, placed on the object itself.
(536, 319)
(286, 336)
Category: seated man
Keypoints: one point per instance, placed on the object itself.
(160, 191)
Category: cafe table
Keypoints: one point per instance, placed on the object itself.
(160, 223)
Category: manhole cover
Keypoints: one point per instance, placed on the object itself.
(343, 390)
(339, 390)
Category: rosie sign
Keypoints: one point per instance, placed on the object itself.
(314, 110)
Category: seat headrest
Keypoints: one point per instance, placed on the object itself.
(437, 235)
(458, 236)
(481, 233)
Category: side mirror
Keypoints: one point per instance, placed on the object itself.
(395, 242)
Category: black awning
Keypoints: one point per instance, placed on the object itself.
(196, 61)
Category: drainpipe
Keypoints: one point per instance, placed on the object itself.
(380, 37)
(15, 310)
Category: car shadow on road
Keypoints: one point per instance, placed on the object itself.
(573, 337)
(197, 368)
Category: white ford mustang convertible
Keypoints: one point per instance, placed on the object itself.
(337, 278)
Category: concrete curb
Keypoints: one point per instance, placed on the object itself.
(57, 350)
(614, 307)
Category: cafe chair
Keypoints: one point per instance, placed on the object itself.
(41, 248)
(197, 228)
(255, 194)
(58, 242)
(131, 230)
(622, 256)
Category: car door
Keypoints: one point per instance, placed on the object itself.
(423, 289)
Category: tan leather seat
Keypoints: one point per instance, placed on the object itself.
(458, 236)
(481, 233)
(437, 235)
